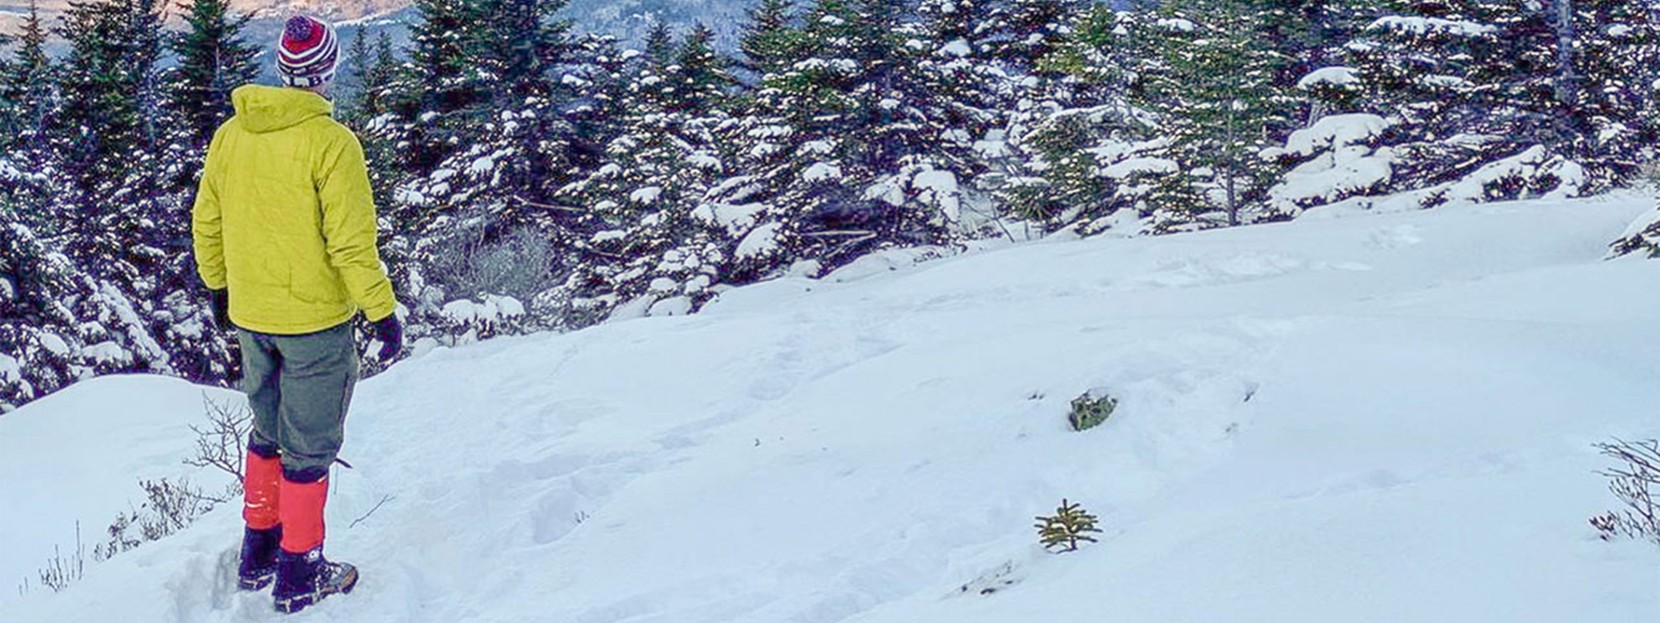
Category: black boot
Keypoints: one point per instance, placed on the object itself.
(305, 579)
(259, 558)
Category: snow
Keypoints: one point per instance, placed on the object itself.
(1533, 163)
(1336, 131)
(1382, 418)
(759, 242)
(10, 369)
(821, 171)
(675, 306)
(735, 218)
(1136, 166)
(1333, 76)
(1176, 24)
(959, 48)
(941, 188)
(1341, 163)
(492, 310)
(1422, 26)
(648, 194)
(77, 456)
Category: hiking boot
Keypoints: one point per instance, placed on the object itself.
(305, 579)
(259, 558)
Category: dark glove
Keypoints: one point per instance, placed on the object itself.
(221, 300)
(390, 333)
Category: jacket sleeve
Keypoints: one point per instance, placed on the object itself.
(349, 229)
(207, 230)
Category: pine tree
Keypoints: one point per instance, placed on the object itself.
(1024, 31)
(1491, 105)
(520, 43)
(1216, 89)
(212, 60)
(769, 38)
(109, 84)
(699, 77)
(441, 42)
(660, 45)
(28, 83)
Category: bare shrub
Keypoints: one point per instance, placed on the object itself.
(59, 571)
(474, 260)
(168, 508)
(1635, 483)
(222, 442)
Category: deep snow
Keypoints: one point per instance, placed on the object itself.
(1373, 418)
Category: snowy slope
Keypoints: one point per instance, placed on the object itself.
(78, 455)
(1377, 418)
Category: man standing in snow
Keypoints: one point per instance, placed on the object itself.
(284, 228)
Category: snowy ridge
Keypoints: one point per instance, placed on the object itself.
(1379, 418)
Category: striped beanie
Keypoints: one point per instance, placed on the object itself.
(308, 52)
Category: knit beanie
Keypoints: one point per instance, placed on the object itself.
(308, 52)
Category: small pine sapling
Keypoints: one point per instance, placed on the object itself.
(1090, 410)
(1070, 524)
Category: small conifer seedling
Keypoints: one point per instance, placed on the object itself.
(1089, 411)
(1070, 524)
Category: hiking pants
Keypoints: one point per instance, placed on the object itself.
(299, 387)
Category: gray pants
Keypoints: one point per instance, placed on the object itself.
(299, 387)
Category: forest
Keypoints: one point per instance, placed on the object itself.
(531, 176)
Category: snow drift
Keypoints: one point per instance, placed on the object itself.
(1377, 418)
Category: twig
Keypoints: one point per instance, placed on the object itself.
(549, 206)
(383, 500)
(825, 234)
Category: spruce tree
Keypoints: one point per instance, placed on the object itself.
(441, 42)
(212, 60)
(660, 44)
(108, 85)
(519, 44)
(28, 83)
(1216, 88)
(1024, 31)
(699, 75)
(770, 37)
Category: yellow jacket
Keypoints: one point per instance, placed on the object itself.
(285, 217)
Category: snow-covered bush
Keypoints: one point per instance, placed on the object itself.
(1642, 238)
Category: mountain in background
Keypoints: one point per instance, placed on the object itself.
(627, 19)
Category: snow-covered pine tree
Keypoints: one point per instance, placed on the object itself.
(59, 325)
(1026, 31)
(770, 37)
(213, 59)
(521, 42)
(29, 85)
(659, 45)
(1614, 84)
(1471, 89)
(107, 82)
(648, 252)
(700, 77)
(1215, 89)
(1081, 150)
(440, 91)
(374, 74)
(845, 145)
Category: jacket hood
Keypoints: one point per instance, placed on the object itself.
(269, 109)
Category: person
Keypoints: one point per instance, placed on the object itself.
(285, 233)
